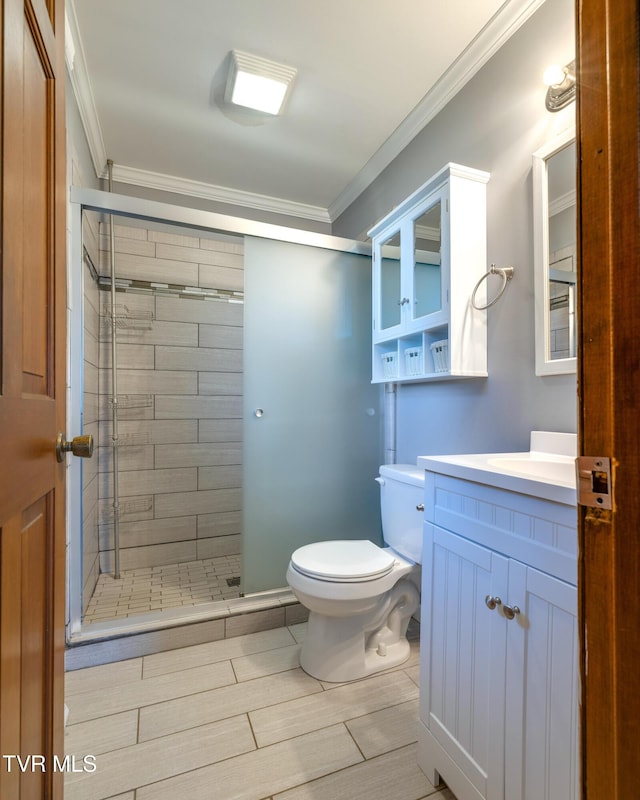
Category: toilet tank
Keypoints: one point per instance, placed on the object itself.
(401, 491)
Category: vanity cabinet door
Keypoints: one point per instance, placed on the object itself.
(541, 743)
(462, 682)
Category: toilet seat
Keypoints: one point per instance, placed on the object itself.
(343, 561)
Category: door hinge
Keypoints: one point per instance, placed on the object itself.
(594, 485)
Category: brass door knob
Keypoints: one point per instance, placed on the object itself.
(81, 446)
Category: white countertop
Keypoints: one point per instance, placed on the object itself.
(550, 476)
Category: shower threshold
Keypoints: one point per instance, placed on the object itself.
(162, 624)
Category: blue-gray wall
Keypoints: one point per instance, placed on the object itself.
(495, 123)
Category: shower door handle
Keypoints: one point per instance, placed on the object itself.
(81, 446)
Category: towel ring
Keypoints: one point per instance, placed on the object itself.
(506, 273)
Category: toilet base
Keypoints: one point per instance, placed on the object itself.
(339, 649)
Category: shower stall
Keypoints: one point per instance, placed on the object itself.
(243, 425)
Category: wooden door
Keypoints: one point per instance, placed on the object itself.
(608, 46)
(32, 394)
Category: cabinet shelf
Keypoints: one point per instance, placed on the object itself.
(416, 357)
(428, 255)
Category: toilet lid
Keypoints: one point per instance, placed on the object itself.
(343, 560)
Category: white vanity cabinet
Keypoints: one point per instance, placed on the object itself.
(499, 672)
(428, 255)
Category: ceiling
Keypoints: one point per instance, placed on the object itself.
(149, 78)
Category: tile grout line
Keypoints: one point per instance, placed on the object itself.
(364, 758)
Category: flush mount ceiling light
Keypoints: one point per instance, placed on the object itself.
(257, 83)
(562, 86)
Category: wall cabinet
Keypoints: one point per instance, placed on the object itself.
(428, 255)
(499, 675)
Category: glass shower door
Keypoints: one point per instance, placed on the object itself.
(312, 423)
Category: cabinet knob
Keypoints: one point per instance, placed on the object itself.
(420, 507)
(491, 602)
(510, 611)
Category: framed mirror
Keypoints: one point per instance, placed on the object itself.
(554, 229)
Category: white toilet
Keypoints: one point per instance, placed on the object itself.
(361, 596)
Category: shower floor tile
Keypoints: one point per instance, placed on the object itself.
(159, 588)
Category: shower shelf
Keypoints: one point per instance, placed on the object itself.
(135, 400)
(137, 505)
(133, 439)
(130, 320)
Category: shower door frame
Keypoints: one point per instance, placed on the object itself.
(99, 201)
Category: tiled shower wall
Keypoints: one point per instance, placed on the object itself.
(179, 373)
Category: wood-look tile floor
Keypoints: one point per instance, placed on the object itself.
(237, 719)
(138, 591)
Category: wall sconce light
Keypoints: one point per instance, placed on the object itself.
(257, 83)
(562, 86)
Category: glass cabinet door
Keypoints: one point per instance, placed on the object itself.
(427, 277)
(391, 304)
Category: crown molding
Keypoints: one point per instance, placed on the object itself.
(562, 203)
(512, 15)
(81, 84)
(218, 194)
